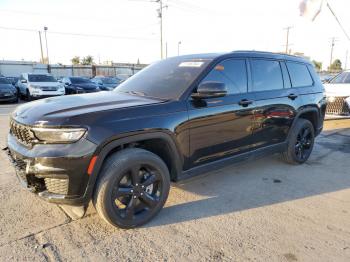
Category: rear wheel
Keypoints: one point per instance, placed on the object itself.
(16, 100)
(28, 96)
(132, 188)
(301, 142)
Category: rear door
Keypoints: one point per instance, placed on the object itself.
(222, 127)
(276, 101)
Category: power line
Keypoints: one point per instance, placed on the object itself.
(336, 18)
(78, 34)
(95, 19)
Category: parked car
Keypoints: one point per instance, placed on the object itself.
(33, 85)
(337, 91)
(8, 93)
(78, 85)
(325, 78)
(176, 118)
(106, 83)
(12, 79)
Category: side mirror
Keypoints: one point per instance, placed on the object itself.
(210, 90)
(23, 81)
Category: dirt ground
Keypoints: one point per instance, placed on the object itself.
(264, 210)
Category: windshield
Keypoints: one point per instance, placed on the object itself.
(41, 78)
(166, 79)
(342, 78)
(4, 81)
(79, 80)
(109, 80)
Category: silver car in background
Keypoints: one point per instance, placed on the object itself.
(338, 94)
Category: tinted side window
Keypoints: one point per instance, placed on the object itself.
(299, 75)
(233, 73)
(266, 75)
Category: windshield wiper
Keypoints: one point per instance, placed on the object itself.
(138, 93)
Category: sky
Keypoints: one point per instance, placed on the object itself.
(128, 30)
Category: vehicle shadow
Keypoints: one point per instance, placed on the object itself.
(262, 182)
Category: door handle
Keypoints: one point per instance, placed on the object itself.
(292, 96)
(245, 102)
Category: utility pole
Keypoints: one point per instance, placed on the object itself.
(41, 48)
(47, 48)
(287, 40)
(166, 49)
(178, 48)
(332, 46)
(346, 59)
(160, 16)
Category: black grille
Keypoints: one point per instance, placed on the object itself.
(338, 107)
(22, 133)
(49, 88)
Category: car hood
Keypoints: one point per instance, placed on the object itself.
(6, 88)
(110, 85)
(85, 86)
(52, 110)
(337, 89)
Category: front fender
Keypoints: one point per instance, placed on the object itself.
(106, 148)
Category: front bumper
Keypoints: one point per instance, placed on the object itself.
(41, 93)
(11, 98)
(56, 173)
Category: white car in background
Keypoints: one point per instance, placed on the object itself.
(33, 85)
(338, 94)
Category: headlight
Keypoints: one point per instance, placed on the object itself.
(331, 99)
(58, 135)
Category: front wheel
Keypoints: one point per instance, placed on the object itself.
(300, 143)
(132, 188)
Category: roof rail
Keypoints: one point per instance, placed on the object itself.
(263, 52)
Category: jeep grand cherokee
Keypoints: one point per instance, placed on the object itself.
(176, 118)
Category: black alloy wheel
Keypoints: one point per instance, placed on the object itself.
(300, 142)
(303, 143)
(137, 193)
(132, 188)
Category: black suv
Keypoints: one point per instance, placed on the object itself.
(176, 118)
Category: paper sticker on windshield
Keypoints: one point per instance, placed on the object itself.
(191, 64)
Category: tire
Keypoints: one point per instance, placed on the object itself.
(16, 100)
(300, 142)
(21, 96)
(28, 96)
(132, 188)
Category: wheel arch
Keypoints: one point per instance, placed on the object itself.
(172, 157)
(310, 113)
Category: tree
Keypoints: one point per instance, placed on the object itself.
(336, 65)
(87, 60)
(75, 60)
(317, 64)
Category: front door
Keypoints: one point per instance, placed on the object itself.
(222, 127)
